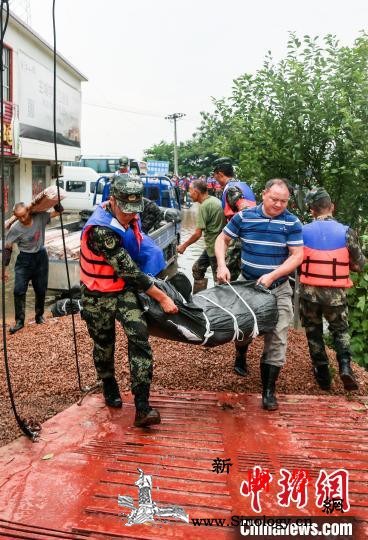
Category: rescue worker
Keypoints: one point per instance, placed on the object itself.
(272, 248)
(32, 263)
(115, 260)
(123, 165)
(210, 222)
(330, 251)
(235, 197)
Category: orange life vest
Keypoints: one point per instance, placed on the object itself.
(326, 257)
(95, 272)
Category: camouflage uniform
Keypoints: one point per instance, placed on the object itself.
(233, 255)
(330, 303)
(151, 216)
(101, 309)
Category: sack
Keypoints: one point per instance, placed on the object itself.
(66, 307)
(41, 203)
(212, 317)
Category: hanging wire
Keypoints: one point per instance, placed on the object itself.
(30, 428)
(87, 389)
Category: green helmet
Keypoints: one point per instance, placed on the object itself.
(128, 192)
(123, 162)
(315, 195)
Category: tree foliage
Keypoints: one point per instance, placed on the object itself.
(304, 118)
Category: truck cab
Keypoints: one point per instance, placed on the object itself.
(158, 189)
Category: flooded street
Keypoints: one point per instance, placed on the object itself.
(184, 264)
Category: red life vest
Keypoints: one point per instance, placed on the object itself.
(326, 257)
(95, 272)
(248, 196)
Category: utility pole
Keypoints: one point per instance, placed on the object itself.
(174, 117)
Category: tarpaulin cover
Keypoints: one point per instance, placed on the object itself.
(201, 322)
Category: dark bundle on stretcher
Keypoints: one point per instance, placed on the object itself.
(225, 313)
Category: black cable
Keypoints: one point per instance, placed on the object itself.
(59, 201)
(3, 26)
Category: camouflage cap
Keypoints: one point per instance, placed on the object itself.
(315, 195)
(124, 161)
(128, 192)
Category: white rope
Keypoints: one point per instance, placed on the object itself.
(255, 326)
(237, 331)
(209, 333)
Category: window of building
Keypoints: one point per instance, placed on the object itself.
(38, 178)
(7, 74)
(76, 186)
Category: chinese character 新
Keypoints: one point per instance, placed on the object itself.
(294, 488)
(219, 465)
(258, 481)
(334, 486)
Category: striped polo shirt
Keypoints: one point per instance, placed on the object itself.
(264, 240)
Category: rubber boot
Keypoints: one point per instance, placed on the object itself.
(111, 393)
(199, 285)
(20, 310)
(269, 375)
(346, 373)
(240, 364)
(39, 308)
(321, 370)
(145, 415)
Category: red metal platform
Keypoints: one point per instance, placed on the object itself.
(66, 486)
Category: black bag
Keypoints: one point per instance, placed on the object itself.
(65, 307)
(212, 317)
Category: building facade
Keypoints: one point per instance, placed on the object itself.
(28, 112)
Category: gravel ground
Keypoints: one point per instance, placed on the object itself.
(44, 378)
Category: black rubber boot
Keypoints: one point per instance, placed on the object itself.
(322, 376)
(145, 415)
(240, 364)
(199, 285)
(269, 375)
(346, 373)
(39, 308)
(321, 370)
(20, 310)
(111, 393)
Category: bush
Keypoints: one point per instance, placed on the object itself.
(358, 316)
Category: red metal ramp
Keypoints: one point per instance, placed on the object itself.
(67, 485)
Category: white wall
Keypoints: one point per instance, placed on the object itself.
(24, 43)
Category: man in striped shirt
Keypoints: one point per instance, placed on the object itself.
(272, 248)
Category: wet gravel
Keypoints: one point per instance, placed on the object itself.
(44, 377)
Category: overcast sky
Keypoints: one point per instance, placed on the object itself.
(151, 58)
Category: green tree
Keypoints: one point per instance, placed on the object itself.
(304, 118)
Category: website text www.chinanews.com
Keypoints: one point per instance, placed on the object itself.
(283, 526)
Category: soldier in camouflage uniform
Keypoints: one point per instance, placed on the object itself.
(110, 280)
(328, 301)
(234, 200)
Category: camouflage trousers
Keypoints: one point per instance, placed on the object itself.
(100, 313)
(233, 259)
(337, 317)
(199, 268)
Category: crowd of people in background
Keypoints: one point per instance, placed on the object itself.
(183, 183)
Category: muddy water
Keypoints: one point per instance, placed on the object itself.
(184, 264)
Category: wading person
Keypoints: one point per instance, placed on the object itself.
(115, 260)
(32, 263)
(272, 248)
(210, 222)
(330, 250)
(235, 197)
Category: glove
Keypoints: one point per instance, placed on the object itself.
(59, 208)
